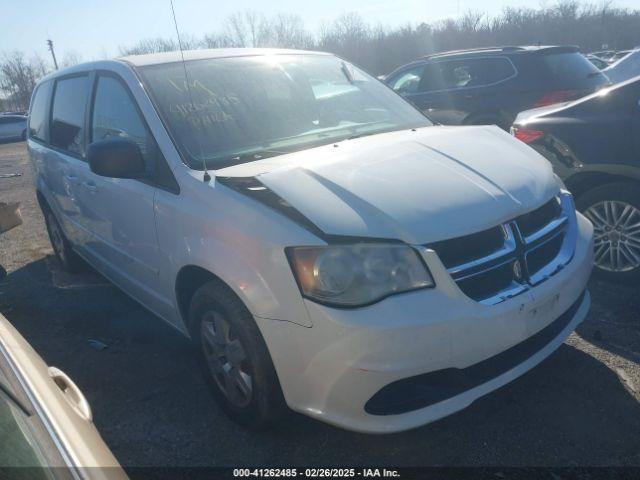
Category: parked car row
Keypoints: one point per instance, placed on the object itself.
(594, 145)
(625, 68)
(584, 126)
(619, 66)
(492, 85)
(611, 56)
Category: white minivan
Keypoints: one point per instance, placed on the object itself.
(324, 245)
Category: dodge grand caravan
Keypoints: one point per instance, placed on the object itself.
(325, 246)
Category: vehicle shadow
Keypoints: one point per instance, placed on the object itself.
(153, 407)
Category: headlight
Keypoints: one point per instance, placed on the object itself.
(357, 275)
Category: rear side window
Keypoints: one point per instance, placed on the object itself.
(38, 112)
(115, 115)
(68, 114)
(497, 69)
(465, 73)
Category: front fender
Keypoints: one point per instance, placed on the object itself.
(238, 240)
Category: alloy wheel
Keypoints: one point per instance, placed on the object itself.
(226, 358)
(616, 235)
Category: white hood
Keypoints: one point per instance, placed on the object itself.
(417, 186)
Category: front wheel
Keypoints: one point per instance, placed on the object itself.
(614, 210)
(237, 363)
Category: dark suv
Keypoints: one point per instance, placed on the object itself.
(491, 85)
(594, 146)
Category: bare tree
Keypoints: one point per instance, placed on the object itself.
(18, 77)
(70, 58)
(376, 48)
(156, 45)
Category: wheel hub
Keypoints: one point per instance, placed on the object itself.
(616, 235)
(226, 358)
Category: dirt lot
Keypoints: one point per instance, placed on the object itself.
(580, 407)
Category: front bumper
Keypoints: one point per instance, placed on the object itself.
(353, 359)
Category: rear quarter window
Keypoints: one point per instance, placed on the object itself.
(570, 70)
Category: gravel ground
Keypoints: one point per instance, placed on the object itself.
(580, 407)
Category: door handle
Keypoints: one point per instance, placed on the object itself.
(71, 178)
(92, 187)
(72, 393)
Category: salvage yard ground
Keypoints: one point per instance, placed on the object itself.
(579, 407)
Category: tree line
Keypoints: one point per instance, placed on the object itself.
(376, 48)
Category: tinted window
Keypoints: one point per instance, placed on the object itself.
(67, 118)
(408, 81)
(115, 115)
(571, 70)
(497, 69)
(38, 112)
(465, 73)
(242, 108)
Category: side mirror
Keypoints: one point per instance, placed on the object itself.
(116, 158)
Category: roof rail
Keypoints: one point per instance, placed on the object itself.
(506, 48)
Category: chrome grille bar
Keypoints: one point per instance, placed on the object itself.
(519, 251)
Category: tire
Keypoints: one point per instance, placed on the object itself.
(235, 357)
(614, 210)
(68, 258)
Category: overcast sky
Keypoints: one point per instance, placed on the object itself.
(96, 28)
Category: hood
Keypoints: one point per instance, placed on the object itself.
(417, 186)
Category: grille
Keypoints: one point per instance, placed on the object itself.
(538, 258)
(464, 249)
(506, 260)
(534, 221)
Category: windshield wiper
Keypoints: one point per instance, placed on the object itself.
(363, 134)
(347, 72)
(258, 155)
(235, 159)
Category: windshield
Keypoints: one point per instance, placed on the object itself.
(241, 109)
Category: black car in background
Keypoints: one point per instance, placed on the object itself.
(491, 85)
(594, 146)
